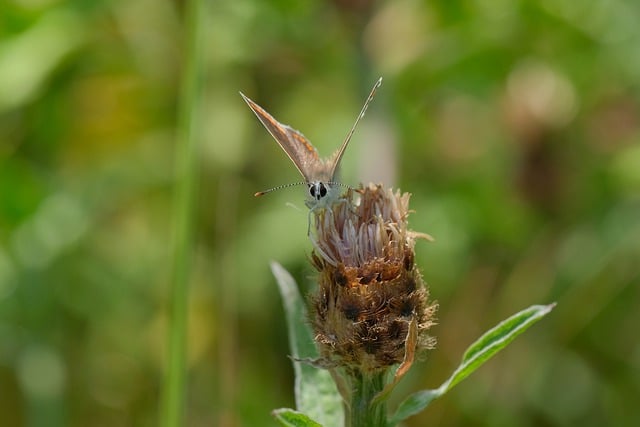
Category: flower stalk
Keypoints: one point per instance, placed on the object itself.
(369, 315)
(371, 311)
(365, 410)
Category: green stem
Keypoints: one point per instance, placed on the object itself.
(364, 412)
(172, 404)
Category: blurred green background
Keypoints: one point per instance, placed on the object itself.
(514, 124)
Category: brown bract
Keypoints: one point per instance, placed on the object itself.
(370, 290)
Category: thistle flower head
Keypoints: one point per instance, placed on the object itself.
(370, 291)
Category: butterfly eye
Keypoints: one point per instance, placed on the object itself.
(312, 190)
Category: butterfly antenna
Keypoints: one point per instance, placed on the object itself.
(348, 187)
(279, 187)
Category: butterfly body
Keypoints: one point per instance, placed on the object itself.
(318, 174)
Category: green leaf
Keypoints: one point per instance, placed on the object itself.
(479, 352)
(315, 390)
(412, 405)
(290, 418)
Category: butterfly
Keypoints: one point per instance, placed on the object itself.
(319, 174)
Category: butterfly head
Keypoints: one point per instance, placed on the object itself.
(323, 194)
(318, 190)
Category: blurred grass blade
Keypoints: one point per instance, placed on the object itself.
(476, 355)
(315, 391)
(172, 404)
(290, 418)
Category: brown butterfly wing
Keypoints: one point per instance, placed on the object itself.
(334, 161)
(303, 155)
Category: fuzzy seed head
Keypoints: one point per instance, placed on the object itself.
(370, 290)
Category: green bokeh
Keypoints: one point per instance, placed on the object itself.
(514, 124)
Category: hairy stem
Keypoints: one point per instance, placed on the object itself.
(364, 412)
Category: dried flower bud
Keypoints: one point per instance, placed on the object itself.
(370, 291)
